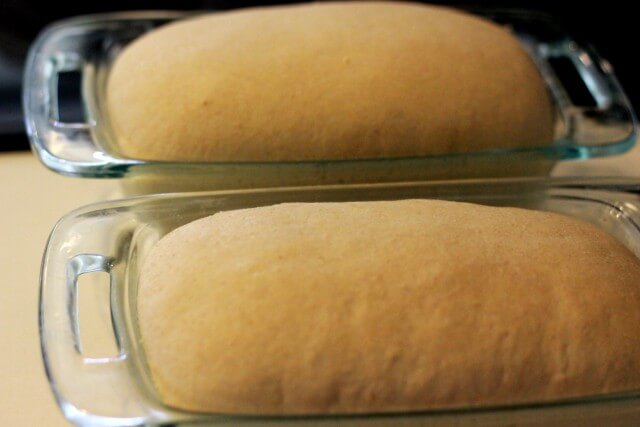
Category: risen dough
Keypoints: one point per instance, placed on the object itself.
(387, 306)
(326, 81)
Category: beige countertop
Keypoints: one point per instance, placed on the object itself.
(34, 199)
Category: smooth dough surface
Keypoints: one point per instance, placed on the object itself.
(387, 306)
(326, 81)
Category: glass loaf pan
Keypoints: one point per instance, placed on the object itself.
(89, 45)
(113, 237)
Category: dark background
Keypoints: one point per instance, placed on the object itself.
(609, 26)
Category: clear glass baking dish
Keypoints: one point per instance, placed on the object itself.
(113, 237)
(603, 125)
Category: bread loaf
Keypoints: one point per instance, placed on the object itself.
(387, 306)
(348, 80)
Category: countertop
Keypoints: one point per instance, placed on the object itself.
(34, 199)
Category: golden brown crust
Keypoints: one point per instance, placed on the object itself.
(387, 306)
(326, 81)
